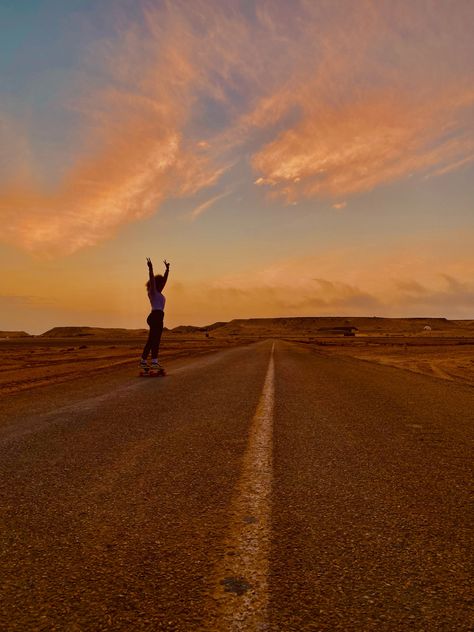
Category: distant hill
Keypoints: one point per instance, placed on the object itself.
(92, 332)
(14, 334)
(328, 325)
(309, 326)
(464, 324)
(215, 326)
(185, 329)
(189, 329)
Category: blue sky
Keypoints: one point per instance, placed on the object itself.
(287, 157)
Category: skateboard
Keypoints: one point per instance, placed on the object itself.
(152, 373)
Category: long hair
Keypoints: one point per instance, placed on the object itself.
(159, 283)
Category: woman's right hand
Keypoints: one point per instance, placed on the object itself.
(149, 263)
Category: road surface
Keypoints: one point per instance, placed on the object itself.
(262, 488)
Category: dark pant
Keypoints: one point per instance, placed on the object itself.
(155, 322)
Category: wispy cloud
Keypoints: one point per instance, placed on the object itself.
(361, 145)
(322, 99)
(377, 98)
(134, 152)
(206, 205)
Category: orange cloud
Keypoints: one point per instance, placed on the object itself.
(373, 141)
(324, 99)
(378, 94)
(134, 152)
(402, 280)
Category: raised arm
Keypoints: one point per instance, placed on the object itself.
(167, 271)
(152, 276)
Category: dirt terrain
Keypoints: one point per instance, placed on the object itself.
(33, 361)
(370, 465)
(263, 486)
(433, 346)
(446, 358)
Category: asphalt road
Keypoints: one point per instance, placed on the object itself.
(248, 490)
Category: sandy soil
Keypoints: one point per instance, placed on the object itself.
(449, 359)
(32, 361)
(38, 361)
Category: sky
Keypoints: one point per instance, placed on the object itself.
(288, 157)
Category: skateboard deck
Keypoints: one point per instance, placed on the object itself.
(152, 373)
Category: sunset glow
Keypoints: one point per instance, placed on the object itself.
(288, 157)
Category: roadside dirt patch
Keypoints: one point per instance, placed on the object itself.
(31, 362)
(447, 359)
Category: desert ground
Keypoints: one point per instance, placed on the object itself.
(71, 353)
(433, 346)
(445, 358)
(286, 475)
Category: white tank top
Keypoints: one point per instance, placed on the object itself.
(157, 300)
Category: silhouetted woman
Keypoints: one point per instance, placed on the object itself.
(154, 286)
